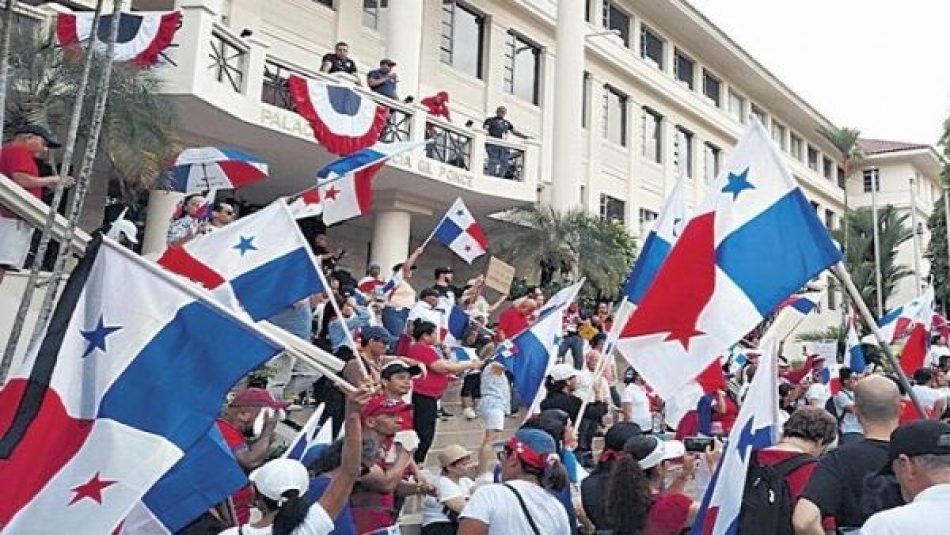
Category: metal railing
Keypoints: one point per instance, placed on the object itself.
(448, 145)
(274, 90)
(228, 59)
(504, 159)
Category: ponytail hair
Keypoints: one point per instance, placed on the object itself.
(626, 496)
(291, 512)
(553, 477)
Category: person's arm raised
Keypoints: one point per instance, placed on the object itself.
(338, 492)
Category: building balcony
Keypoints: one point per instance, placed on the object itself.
(231, 90)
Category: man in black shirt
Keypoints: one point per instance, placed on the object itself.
(845, 484)
(499, 127)
(339, 61)
(448, 293)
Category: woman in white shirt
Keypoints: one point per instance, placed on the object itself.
(634, 402)
(440, 513)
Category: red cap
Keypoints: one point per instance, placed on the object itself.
(384, 405)
(257, 397)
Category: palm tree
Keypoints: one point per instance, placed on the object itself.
(859, 250)
(573, 242)
(845, 140)
(6, 21)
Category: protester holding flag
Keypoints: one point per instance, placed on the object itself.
(561, 384)
(399, 295)
(326, 468)
(187, 225)
(515, 318)
(354, 318)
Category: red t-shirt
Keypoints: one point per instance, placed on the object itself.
(18, 159)
(796, 479)
(432, 384)
(436, 108)
(243, 497)
(512, 322)
(909, 412)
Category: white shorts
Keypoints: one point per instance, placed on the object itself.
(15, 236)
(494, 419)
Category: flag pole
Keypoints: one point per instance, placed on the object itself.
(607, 354)
(342, 320)
(437, 225)
(842, 274)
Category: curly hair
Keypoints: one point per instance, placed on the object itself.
(813, 424)
(627, 497)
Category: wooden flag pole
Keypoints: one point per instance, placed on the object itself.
(842, 274)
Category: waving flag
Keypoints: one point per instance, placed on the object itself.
(854, 354)
(896, 323)
(756, 427)
(459, 231)
(261, 261)
(454, 326)
(119, 390)
(342, 120)
(658, 243)
(754, 241)
(392, 283)
(142, 36)
(564, 297)
(307, 204)
(348, 191)
(310, 436)
(529, 355)
(804, 304)
(917, 346)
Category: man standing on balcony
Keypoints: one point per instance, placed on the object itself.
(499, 127)
(383, 80)
(339, 61)
(18, 163)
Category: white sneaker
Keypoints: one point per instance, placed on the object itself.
(470, 413)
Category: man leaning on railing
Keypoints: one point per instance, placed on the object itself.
(498, 155)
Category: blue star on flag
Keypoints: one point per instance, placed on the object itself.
(245, 244)
(738, 183)
(753, 438)
(96, 337)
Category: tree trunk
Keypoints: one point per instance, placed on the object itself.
(82, 181)
(65, 162)
(7, 22)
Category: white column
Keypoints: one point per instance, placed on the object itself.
(161, 207)
(391, 233)
(568, 92)
(404, 43)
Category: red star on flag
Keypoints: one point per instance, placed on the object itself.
(91, 489)
(331, 193)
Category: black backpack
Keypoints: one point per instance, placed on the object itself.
(766, 501)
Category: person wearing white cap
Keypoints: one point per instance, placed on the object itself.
(123, 231)
(279, 486)
(440, 513)
(561, 384)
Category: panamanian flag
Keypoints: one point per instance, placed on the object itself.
(459, 231)
(753, 241)
(125, 382)
(658, 243)
(261, 262)
(530, 354)
(454, 326)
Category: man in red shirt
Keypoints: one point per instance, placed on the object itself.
(515, 318)
(437, 105)
(18, 163)
(236, 425)
(432, 385)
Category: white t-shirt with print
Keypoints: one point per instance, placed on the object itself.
(639, 412)
(432, 506)
(317, 522)
(496, 506)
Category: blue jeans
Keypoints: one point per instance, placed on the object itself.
(575, 344)
(394, 321)
(497, 160)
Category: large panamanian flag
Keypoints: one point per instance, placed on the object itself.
(753, 242)
(125, 381)
(658, 243)
(261, 261)
(459, 231)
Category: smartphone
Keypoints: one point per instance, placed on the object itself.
(697, 444)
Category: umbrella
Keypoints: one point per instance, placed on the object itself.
(212, 168)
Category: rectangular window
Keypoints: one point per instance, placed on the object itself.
(585, 99)
(522, 67)
(647, 217)
(829, 219)
(463, 38)
(616, 19)
(683, 69)
(651, 47)
(840, 177)
(615, 116)
(712, 154)
(796, 147)
(371, 12)
(737, 107)
(778, 135)
(327, 3)
(815, 206)
(869, 181)
(812, 158)
(828, 168)
(758, 113)
(711, 87)
(612, 208)
(652, 135)
(685, 155)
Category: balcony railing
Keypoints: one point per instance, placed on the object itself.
(504, 159)
(448, 144)
(228, 59)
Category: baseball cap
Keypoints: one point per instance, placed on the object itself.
(650, 451)
(563, 372)
(375, 332)
(452, 454)
(384, 405)
(532, 446)
(921, 437)
(257, 397)
(38, 130)
(620, 433)
(279, 476)
(399, 366)
(442, 270)
(125, 228)
(387, 61)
